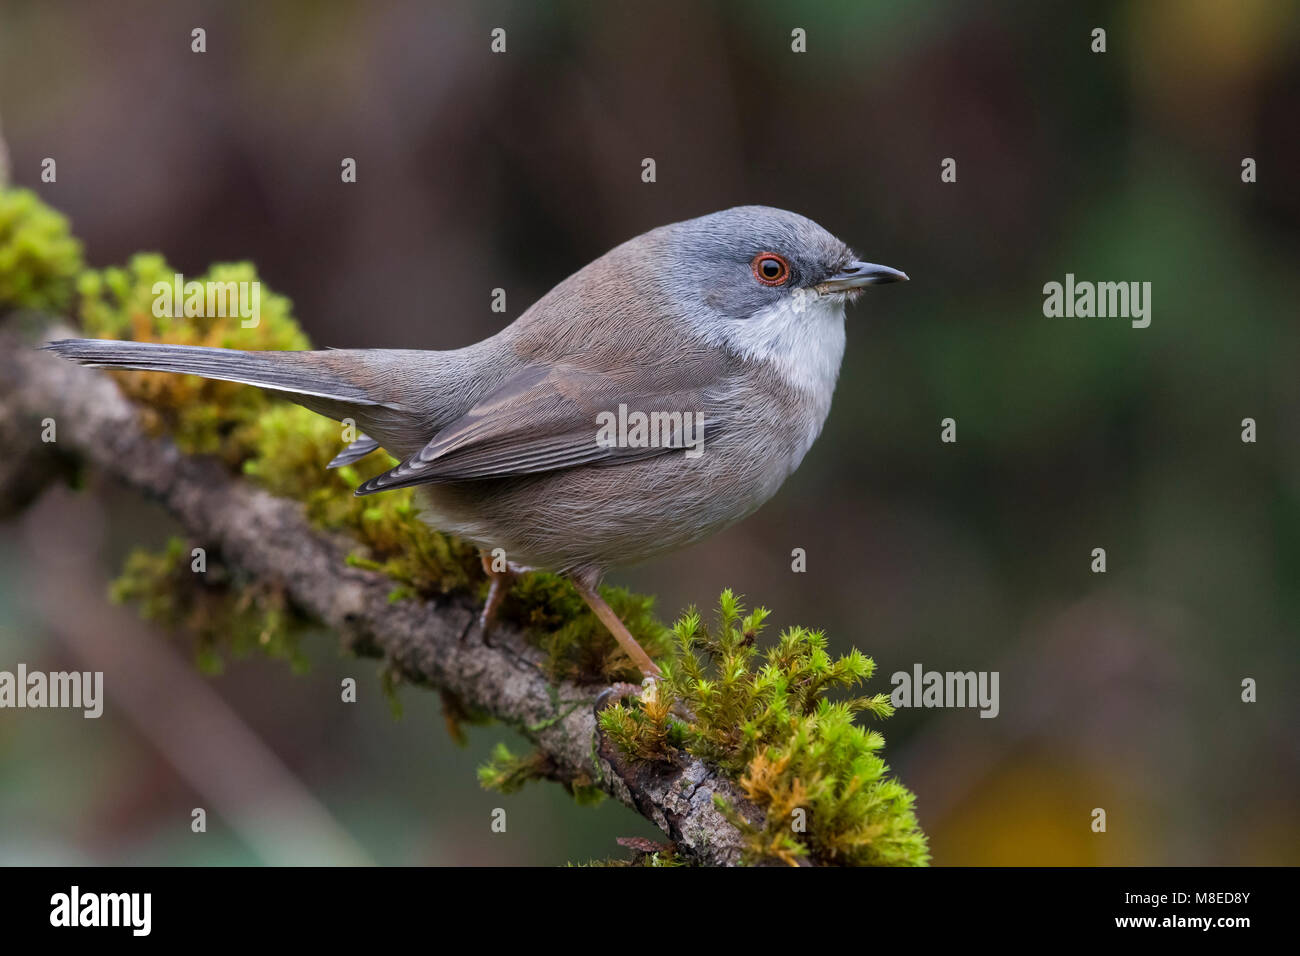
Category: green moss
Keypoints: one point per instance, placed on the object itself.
(766, 718)
(227, 615)
(203, 416)
(39, 258)
(506, 773)
(578, 647)
(290, 448)
(280, 446)
(456, 713)
(283, 447)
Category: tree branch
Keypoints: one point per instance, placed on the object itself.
(434, 643)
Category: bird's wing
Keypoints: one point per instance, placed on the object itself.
(547, 417)
(363, 446)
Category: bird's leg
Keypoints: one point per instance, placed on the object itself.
(586, 585)
(497, 589)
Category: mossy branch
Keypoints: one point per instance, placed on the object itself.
(737, 755)
(430, 642)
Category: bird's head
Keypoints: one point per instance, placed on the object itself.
(768, 283)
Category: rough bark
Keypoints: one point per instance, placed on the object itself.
(434, 643)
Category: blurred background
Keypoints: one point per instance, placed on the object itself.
(475, 171)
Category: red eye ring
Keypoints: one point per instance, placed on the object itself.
(765, 273)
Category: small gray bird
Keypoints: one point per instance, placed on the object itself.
(654, 397)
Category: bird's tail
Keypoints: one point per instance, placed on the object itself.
(372, 386)
(306, 374)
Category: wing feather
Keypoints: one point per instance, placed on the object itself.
(545, 418)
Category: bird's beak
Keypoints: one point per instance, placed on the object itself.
(858, 274)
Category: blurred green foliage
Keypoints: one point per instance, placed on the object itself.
(39, 258)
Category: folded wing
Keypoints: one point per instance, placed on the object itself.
(548, 417)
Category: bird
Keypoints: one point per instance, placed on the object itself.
(656, 396)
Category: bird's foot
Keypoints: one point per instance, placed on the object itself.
(586, 585)
(615, 693)
(500, 581)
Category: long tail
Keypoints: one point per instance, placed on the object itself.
(301, 373)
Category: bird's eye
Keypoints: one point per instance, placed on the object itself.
(770, 269)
